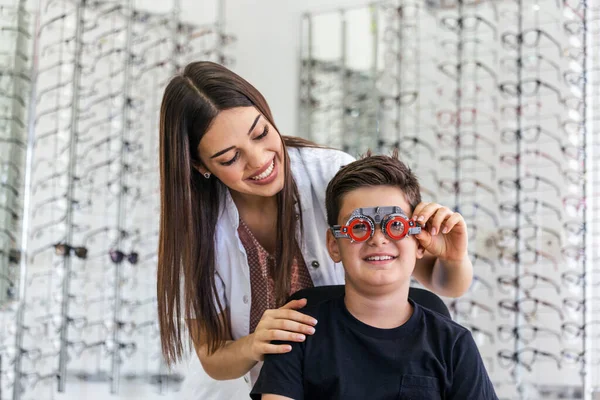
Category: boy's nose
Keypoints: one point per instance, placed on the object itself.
(378, 236)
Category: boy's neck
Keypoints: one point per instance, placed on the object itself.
(383, 311)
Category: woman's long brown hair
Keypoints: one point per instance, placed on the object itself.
(190, 206)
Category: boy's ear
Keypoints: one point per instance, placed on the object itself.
(332, 247)
(420, 250)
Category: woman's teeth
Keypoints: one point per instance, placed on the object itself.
(265, 174)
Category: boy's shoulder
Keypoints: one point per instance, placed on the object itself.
(436, 326)
(322, 307)
(441, 324)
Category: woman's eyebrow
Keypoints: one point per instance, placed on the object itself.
(254, 124)
(218, 153)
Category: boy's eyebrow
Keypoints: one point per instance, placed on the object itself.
(347, 216)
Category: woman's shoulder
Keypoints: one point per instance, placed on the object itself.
(314, 167)
(323, 155)
(318, 161)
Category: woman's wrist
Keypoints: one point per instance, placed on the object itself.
(247, 348)
(448, 263)
(453, 277)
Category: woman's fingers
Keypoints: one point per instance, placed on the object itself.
(419, 209)
(451, 222)
(433, 215)
(286, 325)
(293, 326)
(282, 324)
(439, 217)
(269, 348)
(277, 334)
(295, 304)
(291, 315)
(425, 213)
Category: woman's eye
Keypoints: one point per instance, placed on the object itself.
(232, 160)
(265, 132)
(237, 154)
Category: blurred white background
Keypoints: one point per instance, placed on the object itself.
(477, 94)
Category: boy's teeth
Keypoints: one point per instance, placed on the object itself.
(379, 258)
(266, 173)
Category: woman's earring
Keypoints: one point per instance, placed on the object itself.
(207, 175)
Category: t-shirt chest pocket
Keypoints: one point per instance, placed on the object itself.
(417, 387)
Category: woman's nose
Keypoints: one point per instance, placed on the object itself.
(255, 160)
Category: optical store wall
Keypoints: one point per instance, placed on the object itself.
(81, 85)
(495, 105)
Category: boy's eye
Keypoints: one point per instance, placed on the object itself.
(360, 227)
(360, 230)
(397, 226)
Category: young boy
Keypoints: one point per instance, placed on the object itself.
(375, 343)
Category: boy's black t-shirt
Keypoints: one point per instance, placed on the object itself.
(429, 357)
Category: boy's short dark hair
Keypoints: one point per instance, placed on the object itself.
(371, 170)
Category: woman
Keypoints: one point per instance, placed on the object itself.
(243, 226)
